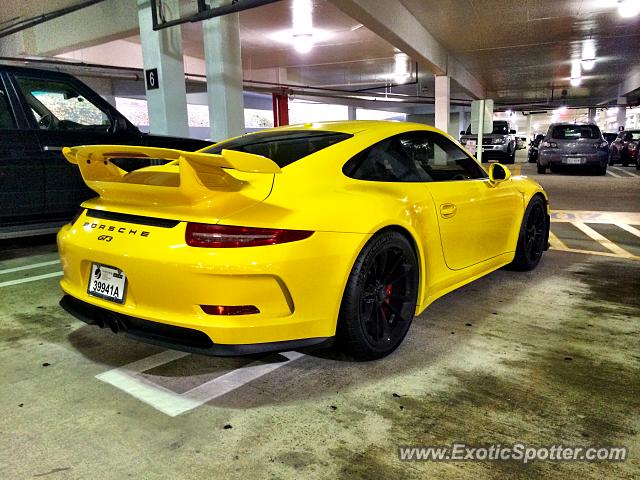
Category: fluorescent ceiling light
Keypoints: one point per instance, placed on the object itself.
(628, 8)
(576, 73)
(588, 54)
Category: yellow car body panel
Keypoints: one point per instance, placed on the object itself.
(461, 230)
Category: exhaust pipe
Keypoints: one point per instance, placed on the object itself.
(114, 322)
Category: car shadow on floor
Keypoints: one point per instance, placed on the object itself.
(446, 326)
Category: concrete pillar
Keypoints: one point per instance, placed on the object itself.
(462, 121)
(529, 123)
(592, 115)
(443, 98)
(621, 117)
(223, 64)
(352, 113)
(162, 50)
(481, 122)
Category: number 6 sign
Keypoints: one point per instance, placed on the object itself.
(151, 76)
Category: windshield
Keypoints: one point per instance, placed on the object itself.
(575, 132)
(635, 135)
(499, 128)
(283, 147)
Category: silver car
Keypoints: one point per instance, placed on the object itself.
(573, 145)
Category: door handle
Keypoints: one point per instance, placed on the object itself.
(49, 148)
(448, 210)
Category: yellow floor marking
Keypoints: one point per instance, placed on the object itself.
(628, 228)
(516, 170)
(556, 242)
(605, 242)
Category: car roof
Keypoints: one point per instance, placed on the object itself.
(572, 124)
(357, 126)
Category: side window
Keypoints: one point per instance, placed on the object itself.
(6, 116)
(414, 157)
(58, 105)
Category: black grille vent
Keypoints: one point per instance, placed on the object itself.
(136, 219)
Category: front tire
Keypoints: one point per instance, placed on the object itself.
(380, 298)
(541, 170)
(533, 235)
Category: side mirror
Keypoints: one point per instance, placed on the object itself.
(498, 173)
(512, 132)
(462, 132)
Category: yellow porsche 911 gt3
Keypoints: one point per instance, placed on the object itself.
(291, 237)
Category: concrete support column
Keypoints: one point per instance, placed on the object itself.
(351, 112)
(529, 122)
(443, 98)
(462, 121)
(621, 117)
(223, 63)
(481, 122)
(280, 108)
(592, 115)
(162, 50)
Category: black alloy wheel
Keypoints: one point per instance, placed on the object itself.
(380, 298)
(533, 235)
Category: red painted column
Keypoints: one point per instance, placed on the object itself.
(280, 108)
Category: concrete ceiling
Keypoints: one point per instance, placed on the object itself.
(522, 50)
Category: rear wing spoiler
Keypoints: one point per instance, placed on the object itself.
(200, 175)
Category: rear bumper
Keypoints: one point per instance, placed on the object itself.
(297, 287)
(550, 159)
(177, 338)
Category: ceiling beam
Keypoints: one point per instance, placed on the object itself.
(392, 21)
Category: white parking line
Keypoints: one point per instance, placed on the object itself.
(626, 172)
(128, 379)
(604, 241)
(29, 279)
(29, 267)
(628, 228)
(609, 172)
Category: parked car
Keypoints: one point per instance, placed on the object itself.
(573, 145)
(270, 256)
(624, 149)
(533, 149)
(500, 144)
(610, 137)
(41, 112)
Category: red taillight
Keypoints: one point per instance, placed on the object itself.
(230, 309)
(632, 146)
(225, 236)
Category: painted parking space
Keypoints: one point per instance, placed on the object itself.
(597, 233)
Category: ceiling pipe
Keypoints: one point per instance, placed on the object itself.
(45, 17)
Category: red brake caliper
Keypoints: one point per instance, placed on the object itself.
(387, 290)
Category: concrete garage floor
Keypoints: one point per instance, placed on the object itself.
(545, 357)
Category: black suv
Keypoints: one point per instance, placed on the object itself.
(42, 111)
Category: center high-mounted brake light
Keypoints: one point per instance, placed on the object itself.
(226, 236)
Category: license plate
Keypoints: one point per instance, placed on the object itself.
(574, 161)
(107, 283)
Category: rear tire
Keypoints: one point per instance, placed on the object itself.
(541, 170)
(601, 170)
(380, 298)
(532, 238)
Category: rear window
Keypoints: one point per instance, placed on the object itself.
(283, 147)
(574, 132)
